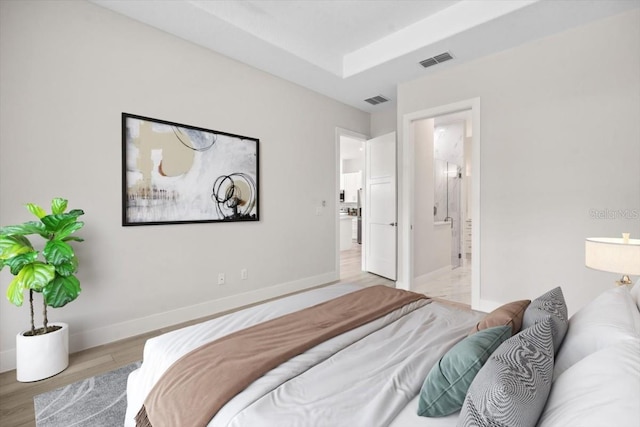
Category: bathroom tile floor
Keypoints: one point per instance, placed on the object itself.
(453, 285)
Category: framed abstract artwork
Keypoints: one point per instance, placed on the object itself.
(174, 173)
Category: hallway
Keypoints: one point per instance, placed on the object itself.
(351, 268)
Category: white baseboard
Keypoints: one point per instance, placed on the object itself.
(108, 334)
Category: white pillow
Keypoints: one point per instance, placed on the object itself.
(635, 293)
(603, 389)
(612, 316)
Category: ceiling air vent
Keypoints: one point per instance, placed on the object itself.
(436, 59)
(376, 100)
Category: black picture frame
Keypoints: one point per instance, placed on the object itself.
(174, 173)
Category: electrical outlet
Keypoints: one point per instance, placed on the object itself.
(220, 278)
(243, 274)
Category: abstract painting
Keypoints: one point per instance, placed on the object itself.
(174, 173)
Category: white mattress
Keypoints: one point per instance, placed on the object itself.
(368, 376)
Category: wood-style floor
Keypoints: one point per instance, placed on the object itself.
(16, 399)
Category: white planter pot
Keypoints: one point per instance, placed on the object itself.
(42, 356)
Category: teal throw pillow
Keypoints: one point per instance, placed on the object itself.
(446, 386)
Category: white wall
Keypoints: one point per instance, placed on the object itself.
(431, 243)
(68, 71)
(560, 142)
(353, 165)
(383, 121)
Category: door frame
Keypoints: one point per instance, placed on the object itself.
(356, 135)
(406, 203)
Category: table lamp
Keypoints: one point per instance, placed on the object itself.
(616, 255)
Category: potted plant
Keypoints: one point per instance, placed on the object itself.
(42, 352)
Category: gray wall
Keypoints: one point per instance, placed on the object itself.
(560, 141)
(68, 71)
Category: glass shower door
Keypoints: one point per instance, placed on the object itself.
(453, 211)
(447, 203)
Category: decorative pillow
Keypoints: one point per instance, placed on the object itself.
(611, 317)
(550, 304)
(603, 389)
(509, 314)
(446, 386)
(512, 387)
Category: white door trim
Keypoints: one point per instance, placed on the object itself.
(405, 277)
(351, 134)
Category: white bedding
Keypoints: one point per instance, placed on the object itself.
(368, 376)
(408, 418)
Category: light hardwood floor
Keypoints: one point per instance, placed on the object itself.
(16, 399)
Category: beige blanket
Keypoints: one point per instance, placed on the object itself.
(194, 388)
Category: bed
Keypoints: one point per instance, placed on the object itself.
(379, 373)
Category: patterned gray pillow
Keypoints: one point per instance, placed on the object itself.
(550, 304)
(512, 388)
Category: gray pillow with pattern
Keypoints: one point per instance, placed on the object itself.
(512, 388)
(549, 304)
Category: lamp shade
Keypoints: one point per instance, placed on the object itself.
(613, 254)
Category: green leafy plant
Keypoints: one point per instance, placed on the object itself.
(50, 271)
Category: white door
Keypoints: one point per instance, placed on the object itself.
(380, 214)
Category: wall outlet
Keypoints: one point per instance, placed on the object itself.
(220, 278)
(243, 274)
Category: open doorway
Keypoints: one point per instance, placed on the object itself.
(440, 202)
(452, 141)
(351, 158)
(442, 172)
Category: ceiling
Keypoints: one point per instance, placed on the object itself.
(351, 50)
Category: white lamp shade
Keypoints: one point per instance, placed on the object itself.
(613, 255)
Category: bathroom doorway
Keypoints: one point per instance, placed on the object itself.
(438, 255)
(449, 160)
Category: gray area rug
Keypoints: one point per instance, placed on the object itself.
(99, 401)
